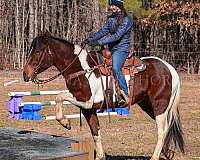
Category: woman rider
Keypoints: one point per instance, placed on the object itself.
(116, 33)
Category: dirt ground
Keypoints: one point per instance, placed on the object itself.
(126, 137)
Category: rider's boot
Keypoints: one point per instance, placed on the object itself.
(126, 97)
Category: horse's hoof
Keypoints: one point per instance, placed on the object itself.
(68, 127)
(101, 158)
(65, 123)
(154, 158)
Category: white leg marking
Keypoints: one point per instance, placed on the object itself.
(59, 102)
(69, 97)
(98, 145)
(162, 126)
(64, 121)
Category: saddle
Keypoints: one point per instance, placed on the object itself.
(131, 62)
(132, 66)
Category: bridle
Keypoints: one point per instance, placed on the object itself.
(41, 58)
(39, 81)
(71, 76)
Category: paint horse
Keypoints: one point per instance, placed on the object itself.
(157, 89)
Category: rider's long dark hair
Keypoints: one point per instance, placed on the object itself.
(123, 14)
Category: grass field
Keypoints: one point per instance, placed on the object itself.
(126, 137)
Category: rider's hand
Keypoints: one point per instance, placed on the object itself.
(93, 43)
(86, 41)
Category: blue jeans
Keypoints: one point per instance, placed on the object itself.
(118, 59)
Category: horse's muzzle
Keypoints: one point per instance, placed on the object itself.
(26, 78)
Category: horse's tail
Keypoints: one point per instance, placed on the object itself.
(175, 133)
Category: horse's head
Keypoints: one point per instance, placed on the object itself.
(39, 57)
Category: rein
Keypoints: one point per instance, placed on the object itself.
(41, 58)
(76, 74)
(97, 66)
(38, 81)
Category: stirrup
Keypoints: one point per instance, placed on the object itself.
(124, 95)
(126, 98)
(121, 101)
(123, 104)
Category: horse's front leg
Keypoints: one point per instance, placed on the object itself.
(64, 121)
(66, 96)
(93, 122)
(69, 97)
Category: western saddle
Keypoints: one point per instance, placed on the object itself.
(132, 66)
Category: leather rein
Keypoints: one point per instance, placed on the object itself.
(71, 76)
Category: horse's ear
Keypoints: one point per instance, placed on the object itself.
(47, 35)
(39, 32)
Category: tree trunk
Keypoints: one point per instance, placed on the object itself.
(95, 14)
(75, 22)
(36, 18)
(69, 16)
(53, 17)
(31, 21)
(61, 19)
(42, 15)
(22, 38)
(17, 62)
(47, 15)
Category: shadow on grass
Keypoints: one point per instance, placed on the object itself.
(113, 157)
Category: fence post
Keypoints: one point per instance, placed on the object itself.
(84, 146)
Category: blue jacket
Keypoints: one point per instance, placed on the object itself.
(117, 38)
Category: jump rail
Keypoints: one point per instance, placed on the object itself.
(36, 93)
(19, 109)
(15, 102)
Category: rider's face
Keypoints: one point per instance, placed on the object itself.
(114, 8)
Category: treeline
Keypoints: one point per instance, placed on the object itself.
(171, 31)
(21, 20)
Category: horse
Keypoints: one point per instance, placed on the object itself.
(156, 90)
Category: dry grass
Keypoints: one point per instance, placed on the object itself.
(134, 135)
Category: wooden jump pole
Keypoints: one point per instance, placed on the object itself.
(78, 115)
(84, 146)
(36, 93)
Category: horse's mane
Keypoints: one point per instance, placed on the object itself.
(38, 41)
(36, 44)
(62, 40)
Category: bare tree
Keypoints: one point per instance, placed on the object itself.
(96, 15)
(31, 20)
(41, 15)
(17, 35)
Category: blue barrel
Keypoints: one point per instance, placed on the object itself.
(31, 112)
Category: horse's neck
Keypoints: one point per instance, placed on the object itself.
(63, 58)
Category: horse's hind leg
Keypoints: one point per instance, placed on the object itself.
(64, 121)
(162, 126)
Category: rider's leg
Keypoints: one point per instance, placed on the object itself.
(118, 60)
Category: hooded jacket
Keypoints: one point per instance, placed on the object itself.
(118, 38)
